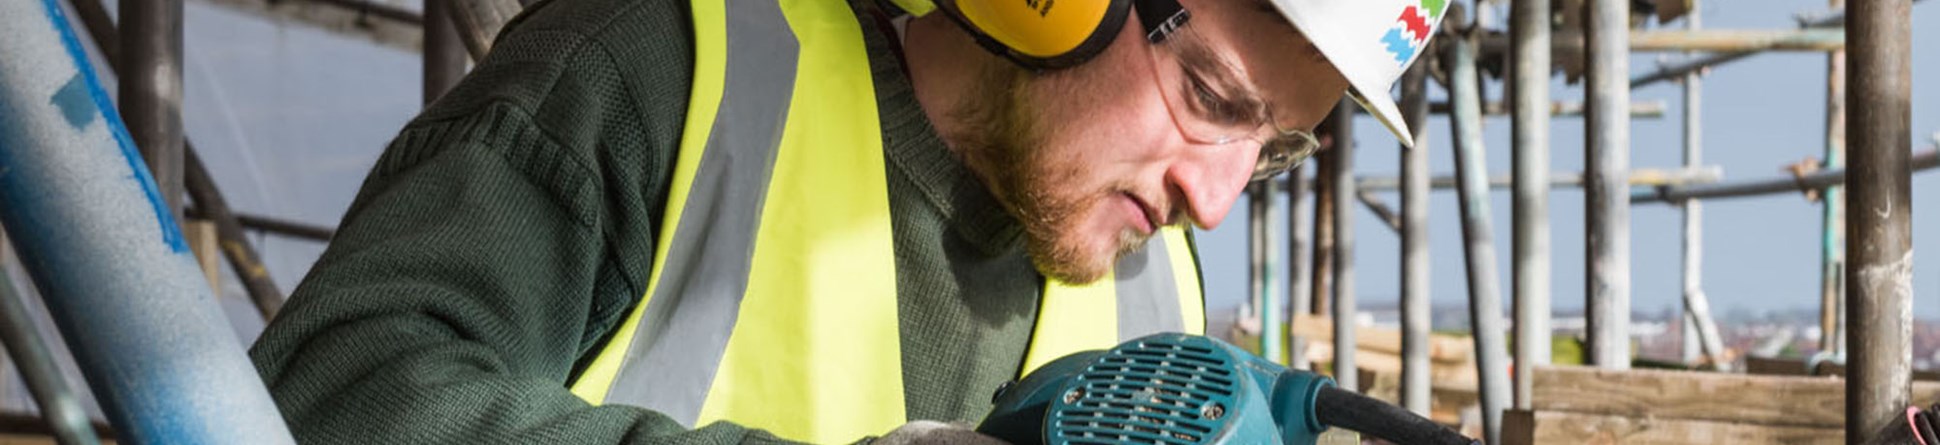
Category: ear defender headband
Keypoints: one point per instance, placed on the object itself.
(1057, 34)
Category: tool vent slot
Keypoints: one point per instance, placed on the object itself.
(1159, 392)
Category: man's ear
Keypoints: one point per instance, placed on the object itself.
(1040, 35)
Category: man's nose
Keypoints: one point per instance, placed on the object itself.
(1209, 185)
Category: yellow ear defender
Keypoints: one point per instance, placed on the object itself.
(1052, 34)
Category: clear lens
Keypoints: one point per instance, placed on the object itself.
(1203, 90)
(1212, 103)
(1281, 154)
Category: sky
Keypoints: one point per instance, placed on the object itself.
(290, 118)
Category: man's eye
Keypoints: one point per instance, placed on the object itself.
(1212, 106)
(1203, 96)
(1209, 103)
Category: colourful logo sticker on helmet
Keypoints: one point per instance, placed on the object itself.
(1411, 30)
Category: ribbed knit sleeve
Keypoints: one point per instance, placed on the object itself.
(494, 246)
(452, 305)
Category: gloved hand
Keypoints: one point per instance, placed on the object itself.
(926, 432)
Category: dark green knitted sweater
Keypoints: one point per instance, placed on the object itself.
(509, 228)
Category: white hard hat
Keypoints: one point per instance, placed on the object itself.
(1371, 42)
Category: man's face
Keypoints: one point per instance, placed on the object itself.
(1094, 159)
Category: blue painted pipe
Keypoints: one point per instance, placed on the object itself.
(123, 287)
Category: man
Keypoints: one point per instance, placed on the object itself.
(656, 221)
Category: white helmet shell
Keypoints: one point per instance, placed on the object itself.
(1371, 42)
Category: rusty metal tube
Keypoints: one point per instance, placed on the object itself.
(151, 89)
(1484, 295)
(1879, 218)
(1345, 372)
(444, 52)
(1529, 28)
(1607, 207)
(1416, 306)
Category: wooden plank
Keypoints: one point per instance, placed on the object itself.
(1444, 349)
(1774, 366)
(25, 427)
(18, 439)
(203, 242)
(1522, 427)
(1839, 370)
(392, 30)
(11, 439)
(1738, 40)
(1781, 366)
(1518, 427)
(1445, 404)
(479, 22)
(1817, 402)
(1453, 376)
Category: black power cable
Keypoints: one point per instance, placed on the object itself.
(1341, 408)
(1924, 424)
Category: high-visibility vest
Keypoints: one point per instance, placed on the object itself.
(772, 297)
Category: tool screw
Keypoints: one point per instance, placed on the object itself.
(1001, 389)
(1212, 411)
(1073, 395)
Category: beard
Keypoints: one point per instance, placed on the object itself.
(1003, 140)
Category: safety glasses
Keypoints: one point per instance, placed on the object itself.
(1209, 99)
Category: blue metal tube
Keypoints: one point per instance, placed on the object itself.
(106, 254)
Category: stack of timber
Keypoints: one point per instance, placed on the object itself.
(1451, 363)
(1780, 366)
(1596, 406)
(26, 428)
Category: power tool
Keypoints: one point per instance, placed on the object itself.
(1178, 389)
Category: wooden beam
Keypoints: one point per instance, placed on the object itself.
(1638, 177)
(1739, 40)
(1780, 366)
(1445, 403)
(384, 25)
(1442, 349)
(1452, 376)
(1815, 402)
(1518, 427)
(14, 423)
(1544, 427)
(479, 22)
(203, 242)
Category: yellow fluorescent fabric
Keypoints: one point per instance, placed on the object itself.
(917, 8)
(1073, 318)
(815, 355)
(710, 74)
(1039, 28)
(1192, 305)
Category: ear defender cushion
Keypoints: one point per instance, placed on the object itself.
(1044, 34)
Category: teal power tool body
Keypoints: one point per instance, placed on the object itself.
(1177, 389)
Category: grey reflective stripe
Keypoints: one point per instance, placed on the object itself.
(684, 332)
(1148, 295)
